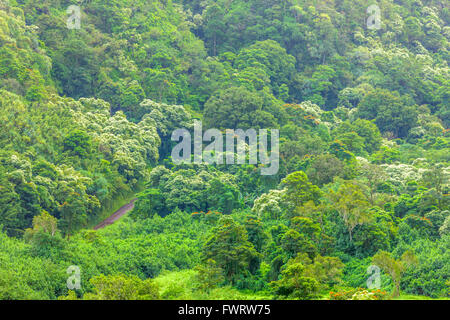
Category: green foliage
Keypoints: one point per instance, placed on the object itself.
(238, 108)
(87, 116)
(189, 190)
(120, 287)
(302, 278)
(229, 247)
(77, 142)
(392, 113)
(209, 275)
(299, 190)
(351, 204)
(395, 268)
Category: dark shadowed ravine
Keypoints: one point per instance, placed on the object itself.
(116, 215)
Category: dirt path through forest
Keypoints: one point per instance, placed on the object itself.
(116, 215)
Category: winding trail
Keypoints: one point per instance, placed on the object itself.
(116, 215)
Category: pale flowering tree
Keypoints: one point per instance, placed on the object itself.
(400, 173)
(269, 204)
(72, 198)
(165, 117)
(130, 146)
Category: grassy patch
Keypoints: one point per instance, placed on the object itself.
(181, 285)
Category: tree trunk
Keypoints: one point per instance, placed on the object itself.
(396, 292)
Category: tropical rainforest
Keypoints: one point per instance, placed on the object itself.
(359, 208)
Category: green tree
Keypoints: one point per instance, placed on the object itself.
(208, 275)
(294, 284)
(299, 189)
(78, 142)
(395, 268)
(121, 287)
(324, 168)
(44, 222)
(351, 203)
(391, 112)
(229, 247)
(237, 108)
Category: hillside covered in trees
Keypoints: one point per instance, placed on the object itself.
(359, 208)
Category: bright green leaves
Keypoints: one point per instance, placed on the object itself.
(78, 142)
(230, 248)
(299, 190)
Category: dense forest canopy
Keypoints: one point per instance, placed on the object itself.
(87, 115)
